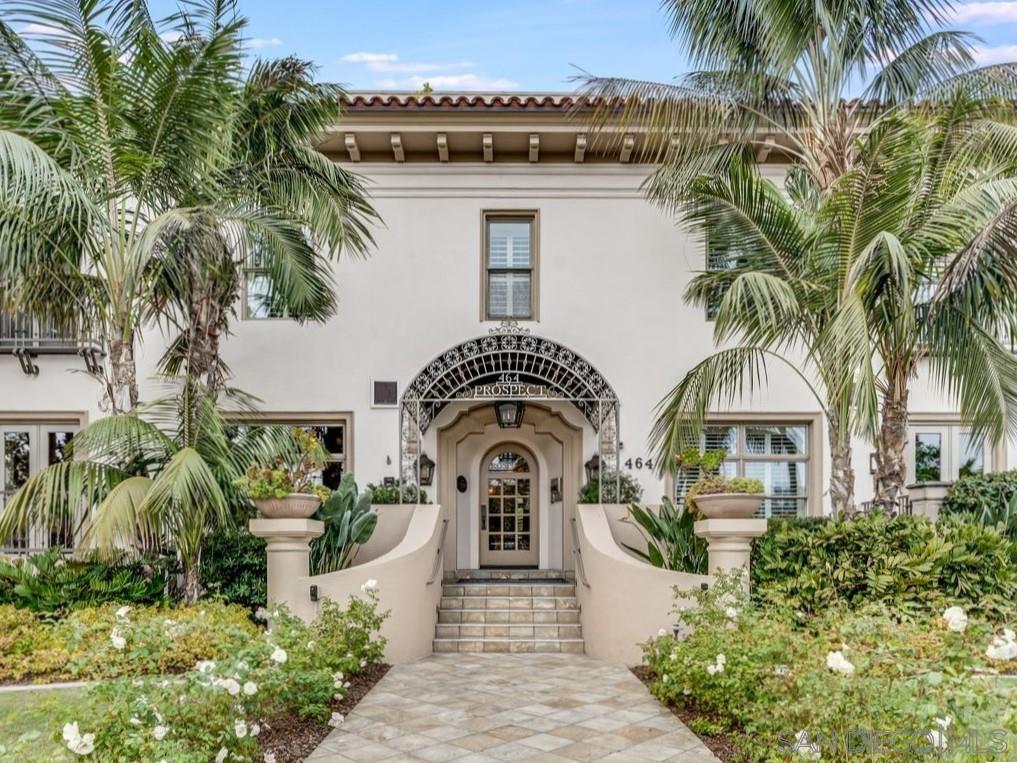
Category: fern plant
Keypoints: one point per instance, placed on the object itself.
(349, 523)
(50, 582)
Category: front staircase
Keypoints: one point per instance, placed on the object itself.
(508, 611)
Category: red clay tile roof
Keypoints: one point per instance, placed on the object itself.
(441, 101)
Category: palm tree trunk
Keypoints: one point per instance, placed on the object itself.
(191, 582)
(891, 468)
(842, 473)
(204, 329)
(122, 378)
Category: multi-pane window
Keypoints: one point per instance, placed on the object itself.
(509, 266)
(775, 454)
(28, 449)
(718, 258)
(945, 452)
(259, 297)
(333, 435)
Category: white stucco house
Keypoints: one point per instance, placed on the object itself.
(518, 262)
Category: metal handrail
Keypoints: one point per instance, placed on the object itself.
(439, 551)
(578, 554)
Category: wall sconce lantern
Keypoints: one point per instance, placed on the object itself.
(593, 468)
(425, 466)
(509, 414)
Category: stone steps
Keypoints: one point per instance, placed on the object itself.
(508, 611)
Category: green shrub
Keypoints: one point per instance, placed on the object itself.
(223, 703)
(29, 649)
(977, 491)
(904, 562)
(234, 567)
(763, 679)
(51, 582)
(389, 494)
(620, 487)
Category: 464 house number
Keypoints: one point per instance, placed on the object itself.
(639, 463)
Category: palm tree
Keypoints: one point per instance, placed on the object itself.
(927, 230)
(271, 164)
(778, 297)
(905, 259)
(776, 77)
(161, 474)
(130, 177)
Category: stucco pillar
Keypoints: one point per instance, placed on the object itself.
(288, 545)
(729, 542)
(927, 497)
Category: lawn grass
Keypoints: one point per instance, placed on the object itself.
(28, 720)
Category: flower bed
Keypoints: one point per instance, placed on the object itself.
(779, 687)
(202, 683)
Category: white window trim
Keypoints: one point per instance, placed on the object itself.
(950, 425)
(533, 215)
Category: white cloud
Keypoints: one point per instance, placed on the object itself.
(999, 54)
(985, 13)
(368, 58)
(263, 42)
(390, 63)
(449, 82)
(42, 30)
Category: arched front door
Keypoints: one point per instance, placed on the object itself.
(508, 517)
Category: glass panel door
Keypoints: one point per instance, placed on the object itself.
(508, 522)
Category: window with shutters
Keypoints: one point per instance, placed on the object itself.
(510, 271)
(776, 454)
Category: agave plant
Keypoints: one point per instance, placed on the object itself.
(349, 523)
(670, 542)
(161, 475)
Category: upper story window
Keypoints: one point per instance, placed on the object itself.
(258, 293)
(718, 258)
(510, 272)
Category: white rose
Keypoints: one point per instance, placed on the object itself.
(269, 757)
(221, 755)
(261, 613)
(71, 731)
(231, 685)
(83, 745)
(117, 639)
(956, 619)
(1002, 649)
(255, 729)
(369, 585)
(240, 728)
(837, 662)
(661, 633)
(122, 613)
(250, 688)
(279, 655)
(160, 732)
(205, 666)
(731, 613)
(336, 720)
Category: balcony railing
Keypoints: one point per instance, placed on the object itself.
(26, 337)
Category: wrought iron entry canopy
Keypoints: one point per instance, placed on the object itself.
(507, 364)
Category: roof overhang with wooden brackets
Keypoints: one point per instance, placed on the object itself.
(481, 128)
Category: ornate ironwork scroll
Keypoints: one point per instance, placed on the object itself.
(509, 360)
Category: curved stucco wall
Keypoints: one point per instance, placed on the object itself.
(409, 585)
(623, 601)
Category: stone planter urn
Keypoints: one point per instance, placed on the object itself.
(729, 505)
(293, 506)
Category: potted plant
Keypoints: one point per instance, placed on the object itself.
(720, 497)
(286, 489)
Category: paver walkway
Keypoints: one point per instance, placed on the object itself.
(494, 707)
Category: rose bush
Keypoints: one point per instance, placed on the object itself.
(218, 706)
(769, 679)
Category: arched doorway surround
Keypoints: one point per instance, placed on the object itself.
(507, 364)
(556, 446)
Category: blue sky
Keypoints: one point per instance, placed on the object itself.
(506, 44)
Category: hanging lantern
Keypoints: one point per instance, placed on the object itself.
(509, 414)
